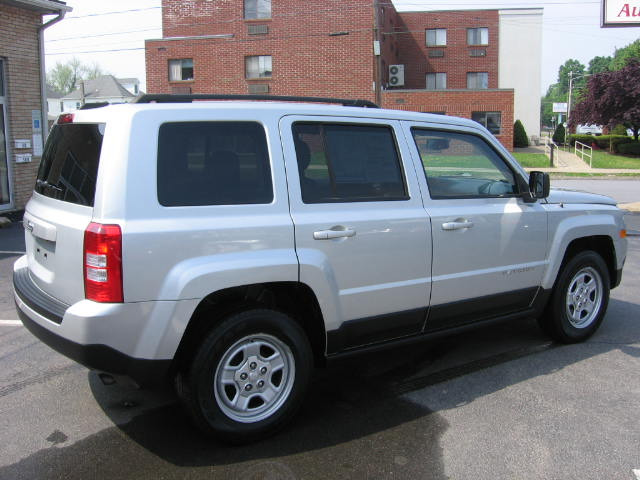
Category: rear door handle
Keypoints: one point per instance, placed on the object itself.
(335, 232)
(459, 224)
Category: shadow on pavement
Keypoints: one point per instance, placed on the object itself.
(357, 421)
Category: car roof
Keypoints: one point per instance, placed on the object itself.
(277, 108)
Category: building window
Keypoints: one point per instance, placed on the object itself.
(257, 9)
(492, 121)
(258, 66)
(181, 69)
(477, 80)
(478, 36)
(436, 37)
(436, 81)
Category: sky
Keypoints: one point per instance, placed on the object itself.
(115, 41)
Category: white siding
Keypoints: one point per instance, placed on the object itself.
(520, 64)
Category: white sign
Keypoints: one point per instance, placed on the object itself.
(23, 158)
(620, 13)
(20, 143)
(559, 108)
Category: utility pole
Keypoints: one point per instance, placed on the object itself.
(568, 104)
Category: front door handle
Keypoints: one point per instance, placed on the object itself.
(459, 224)
(335, 232)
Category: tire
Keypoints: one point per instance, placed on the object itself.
(248, 377)
(579, 300)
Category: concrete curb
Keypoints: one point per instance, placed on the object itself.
(632, 207)
(4, 222)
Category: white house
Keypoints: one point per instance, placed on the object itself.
(105, 89)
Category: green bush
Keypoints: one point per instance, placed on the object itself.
(586, 139)
(558, 135)
(612, 142)
(520, 139)
(619, 130)
(632, 148)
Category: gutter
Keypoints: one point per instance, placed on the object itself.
(43, 75)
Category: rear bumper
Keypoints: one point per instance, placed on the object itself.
(104, 337)
(101, 357)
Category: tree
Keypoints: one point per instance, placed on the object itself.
(520, 139)
(626, 55)
(559, 134)
(599, 65)
(65, 76)
(574, 66)
(612, 98)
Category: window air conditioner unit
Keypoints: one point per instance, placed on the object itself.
(396, 75)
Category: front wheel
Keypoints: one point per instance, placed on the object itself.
(249, 375)
(579, 300)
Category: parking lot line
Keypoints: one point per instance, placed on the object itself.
(10, 323)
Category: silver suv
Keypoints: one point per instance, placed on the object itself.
(231, 246)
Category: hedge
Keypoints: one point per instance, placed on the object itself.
(632, 148)
(603, 142)
(520, 139)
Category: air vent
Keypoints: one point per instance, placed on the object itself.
(257, 88)
(181, 90)
(478, 52)
(436, 53)
(258, 29)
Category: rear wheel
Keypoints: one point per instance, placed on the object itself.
(579, 300)
(249, 375)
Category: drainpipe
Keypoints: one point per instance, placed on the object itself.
(43, 74)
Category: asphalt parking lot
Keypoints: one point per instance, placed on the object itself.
(499, 403)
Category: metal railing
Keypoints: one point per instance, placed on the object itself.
(582, 150)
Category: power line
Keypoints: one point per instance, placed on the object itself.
(103, 34)
(112, 13)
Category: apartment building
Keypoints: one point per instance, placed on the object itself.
(23, 107)
(455, 62)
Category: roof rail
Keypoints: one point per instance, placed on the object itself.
(187, 98)
(89, 106)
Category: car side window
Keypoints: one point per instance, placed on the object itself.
(213, 163)
(461, 165)
(348, 163)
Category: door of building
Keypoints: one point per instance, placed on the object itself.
(5, 184)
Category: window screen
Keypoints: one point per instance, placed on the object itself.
(69, 165)
(478, 80)
(348, 163)
(478, 36)
(492, 121)
(213, 163)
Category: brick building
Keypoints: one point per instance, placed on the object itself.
(23, 108)
(456, 62)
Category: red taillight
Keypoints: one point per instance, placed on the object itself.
(65, 118)
(103, 263)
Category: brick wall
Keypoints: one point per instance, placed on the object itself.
(20, 51)
(412, 51)
(459, 104)
(306, 60)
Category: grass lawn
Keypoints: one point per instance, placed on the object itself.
(532, 160)
(603, 159)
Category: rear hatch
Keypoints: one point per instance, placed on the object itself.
(61, 208)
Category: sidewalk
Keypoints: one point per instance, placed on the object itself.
(568, 162)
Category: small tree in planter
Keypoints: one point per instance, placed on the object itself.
(520, 139)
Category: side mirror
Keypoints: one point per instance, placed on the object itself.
(539, 185)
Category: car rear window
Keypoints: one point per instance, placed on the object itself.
(213, 163)
(69, 165)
